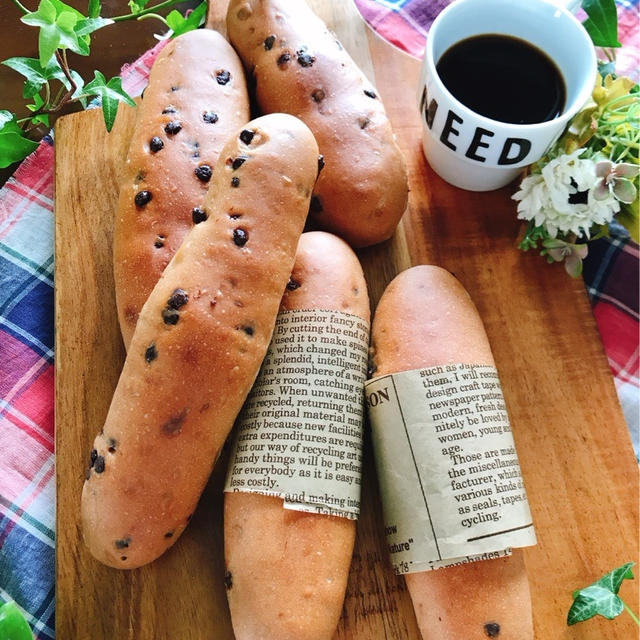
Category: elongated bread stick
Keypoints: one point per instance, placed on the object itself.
(300, 68)
(196, 98)
(287, 570)
(426, 318)
(198, 345)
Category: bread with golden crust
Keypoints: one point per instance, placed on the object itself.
(301, 68)
(198, 345)
(196, 98)
(426, 318)
(287, 570)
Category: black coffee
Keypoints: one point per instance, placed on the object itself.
(503, 78)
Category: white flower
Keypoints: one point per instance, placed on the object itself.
(561, 198)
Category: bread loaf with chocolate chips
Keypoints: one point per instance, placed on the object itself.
(426, 318)
(287, 570)
(196, 98)
(301, 68)
(198, 345)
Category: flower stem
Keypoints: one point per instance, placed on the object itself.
(633, 615)
(144, 12)
(21, 6)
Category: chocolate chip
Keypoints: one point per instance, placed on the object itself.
(320, 163)
(155, 144)
(159, 243)
(235, 216)
(247, 329)
(238, 162)
(210, 117)
(223, 76)
(371, 94)
(315, 205)
(123, 544)
(318, 95)
(268, 42)
(203, 172)
(228, 579)
(492, 629)
(151, 353)
(174, 88)
(364, 122)
(292, 285)
(305, 59)
(235, 181)
(240, 237)
(92, 458)
(169, 109)
(173, 127)
(99, 465)
(112, 445)
(174, 424)
(169, 534)
(143, 198)
(284, 59)
(247, 136)
(199, 215)
(170, 316)
(178, 299)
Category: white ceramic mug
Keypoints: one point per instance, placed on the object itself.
(472, 151)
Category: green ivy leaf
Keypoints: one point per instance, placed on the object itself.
(95, 7)
(179, 24)
(88, 25)
(137, 6)
(602, 23)
(13, 145)
(601, 597)
(111, 93)
(57, 22)
(37, 103)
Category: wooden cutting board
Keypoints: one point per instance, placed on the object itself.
(574, 446)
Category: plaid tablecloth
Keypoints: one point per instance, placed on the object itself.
(27, 464)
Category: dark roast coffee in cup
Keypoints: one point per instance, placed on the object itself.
(503, 78)
(500, 81)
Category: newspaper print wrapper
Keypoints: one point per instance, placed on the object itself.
(452, 491)
(299, 436)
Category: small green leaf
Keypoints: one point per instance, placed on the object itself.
(89, 25)
(13, 626)
(60, 7)
(37, 103)
(601, 597)
(111, 93)
(179, 24)
(95, 7)
(13, 145)
(137, 6)
(602, 23)
(5, 116)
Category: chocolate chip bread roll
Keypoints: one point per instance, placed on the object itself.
(287, 570)
(300, 68)
(198, 345)
(196, 98)
(426, 318)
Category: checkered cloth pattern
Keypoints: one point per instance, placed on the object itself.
(27, 463)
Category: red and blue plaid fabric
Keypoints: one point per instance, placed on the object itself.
(27, 482)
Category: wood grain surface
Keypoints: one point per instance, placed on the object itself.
(574, 446)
